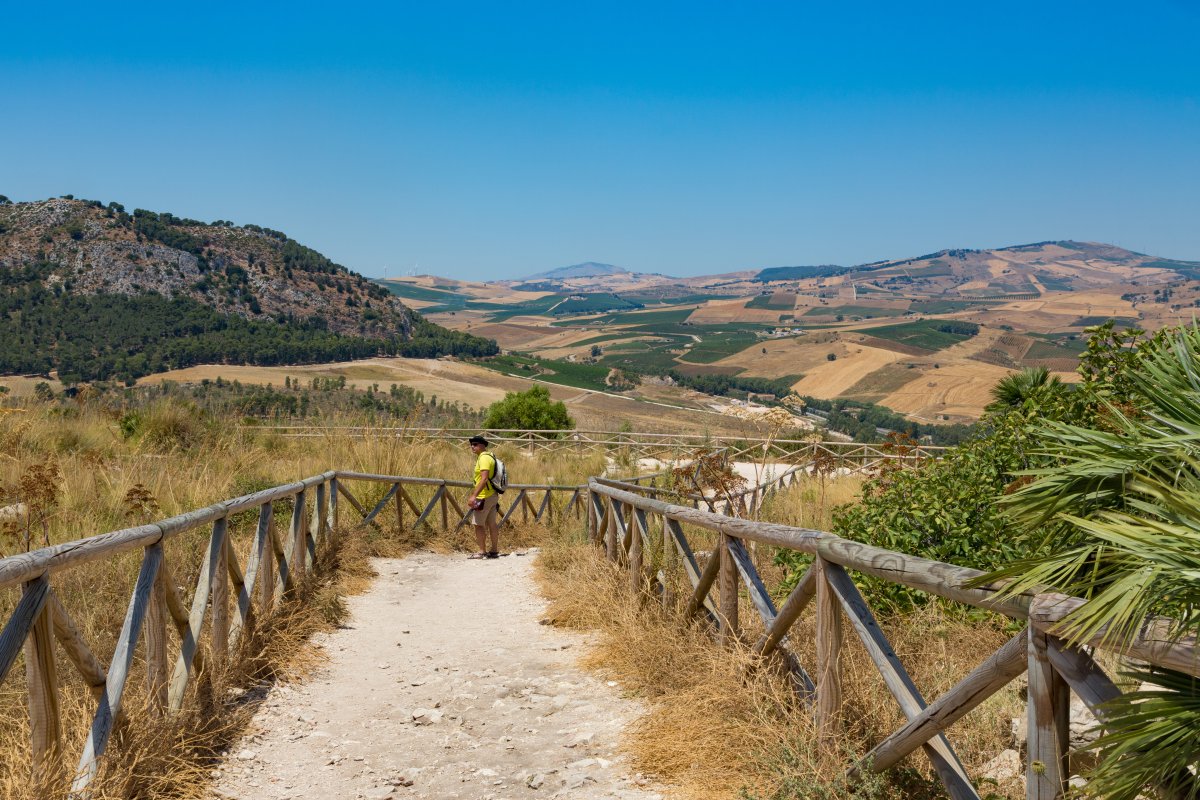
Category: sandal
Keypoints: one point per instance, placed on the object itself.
(477, 555)
(493, 554)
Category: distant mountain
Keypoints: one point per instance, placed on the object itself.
(96, 292)
(588, 269)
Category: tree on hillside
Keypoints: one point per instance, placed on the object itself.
(528, 410)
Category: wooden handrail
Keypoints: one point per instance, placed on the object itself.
(1053, 665)
(227, 594)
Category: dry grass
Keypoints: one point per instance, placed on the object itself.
(81, 477)
(719, 725)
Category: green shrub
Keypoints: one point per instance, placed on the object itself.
(529, 410)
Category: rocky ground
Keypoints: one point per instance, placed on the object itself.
(442, 684)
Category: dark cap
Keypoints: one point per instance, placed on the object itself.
(478, 440)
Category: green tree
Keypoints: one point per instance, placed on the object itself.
(529, 410)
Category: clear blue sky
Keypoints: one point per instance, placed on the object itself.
(502, 139)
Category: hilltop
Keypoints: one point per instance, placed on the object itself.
(588, 269)
(96, 292)
(926, 336)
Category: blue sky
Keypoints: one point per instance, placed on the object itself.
(502, 139)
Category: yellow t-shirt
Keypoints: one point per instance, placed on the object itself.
(486, 461)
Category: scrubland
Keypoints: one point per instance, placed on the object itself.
(721, 725)
(716, 725)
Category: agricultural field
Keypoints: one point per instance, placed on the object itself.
(899, 331)
(655, 408)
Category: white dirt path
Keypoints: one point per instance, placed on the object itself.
(442, 684)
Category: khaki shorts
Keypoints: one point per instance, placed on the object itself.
(487, 514)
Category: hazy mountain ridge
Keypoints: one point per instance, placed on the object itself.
(587, 269)
(1063, 262)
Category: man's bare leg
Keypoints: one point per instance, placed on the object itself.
(494, 530)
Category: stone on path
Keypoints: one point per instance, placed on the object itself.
(442, 684)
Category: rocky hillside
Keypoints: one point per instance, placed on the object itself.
(88, 248)
(97, 292)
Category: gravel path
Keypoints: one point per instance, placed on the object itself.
(442, 684)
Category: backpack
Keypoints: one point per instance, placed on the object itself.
(499, 481)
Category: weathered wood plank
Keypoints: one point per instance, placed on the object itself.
(241, 594)
(16, 630)
(945, 761)
(984, 681)
(353, 500)
(829, 649)
(788, 613)
(382, 503)
(1047, 708)
(260, 559)
(297, 546)
(635, 559)
(220, 594)
(41, 687)
(429, 507)
(1155, 641)
(321, 511)
(704, 582)
(758, 593)
(728, 592)
(946, 580)
(408, 501)
(545, 504)
(118, 673)
(333, 521)
(610, 530)
(156, 645)
(444, 508)
(1082, 674)
(512, 508)
(190, 635)
(17, 569)
(73, 644)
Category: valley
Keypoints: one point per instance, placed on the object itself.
(926, 337)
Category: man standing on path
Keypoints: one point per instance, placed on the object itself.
(483, 500)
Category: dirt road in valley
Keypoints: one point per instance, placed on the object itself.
(442, 684)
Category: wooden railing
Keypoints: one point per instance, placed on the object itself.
(637, 529)
(670, 446)
(226, 598)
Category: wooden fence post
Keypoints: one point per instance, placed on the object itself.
(220, 593)
(668, 562)
(610, 535)
(156, 646)
(635, 555)
(399, 508)
(829, 646)
(445, 509)
(296, 565)
(320, 512)
(1047, 710)
(591, 516)
(333, 521)
(41, 681)
(728, 581)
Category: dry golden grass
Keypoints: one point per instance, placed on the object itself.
(718, 724)
(84, 477)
